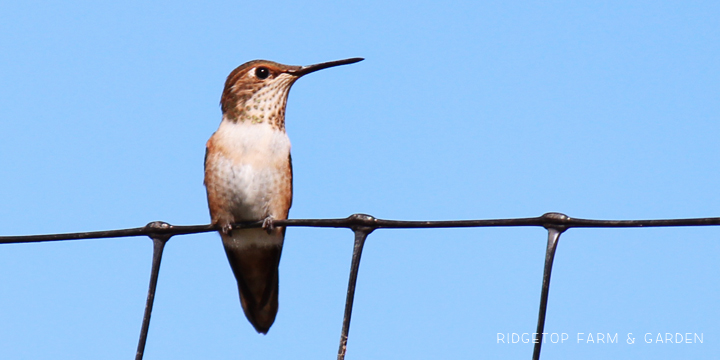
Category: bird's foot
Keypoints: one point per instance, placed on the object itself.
(268, 224)
(226, 229)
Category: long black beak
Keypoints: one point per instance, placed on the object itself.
(312, 68)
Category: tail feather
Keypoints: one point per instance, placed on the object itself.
(256, 269)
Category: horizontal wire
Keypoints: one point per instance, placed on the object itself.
(548, 220)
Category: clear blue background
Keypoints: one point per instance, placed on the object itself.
(462, 110)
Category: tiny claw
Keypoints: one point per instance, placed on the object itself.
(226, 229)
(268, 224)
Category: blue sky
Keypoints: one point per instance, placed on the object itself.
(461, 110)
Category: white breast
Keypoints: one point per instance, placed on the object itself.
(251, 167)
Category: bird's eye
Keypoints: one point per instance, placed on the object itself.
(262, 73)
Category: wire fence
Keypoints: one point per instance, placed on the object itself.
(362, 225)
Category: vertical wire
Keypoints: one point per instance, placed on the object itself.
(158, 246)
(553, 238)
(361, 234)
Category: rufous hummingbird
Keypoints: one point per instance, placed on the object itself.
(248, 177)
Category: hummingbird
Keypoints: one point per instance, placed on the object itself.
(248, 177)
